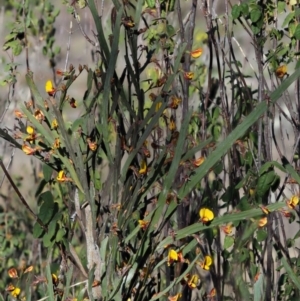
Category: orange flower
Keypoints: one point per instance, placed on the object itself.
(172, 124)
(73, 103)
(29, 269)
(56, 143)
(175, 101)
(206, 215)
(227, 229)
(196, 53)
(175, 298)
(212, 293)
(13, 273)
(19, 114)
(281, 71)
(39, 115)
(262, 222)
(143, 224)
(92, 145)
(256, 276)
(188, 75)
(199, 161)
(10, 288)
(265, 210)
(28, 150)
(286, 213)
(293, 202)
(50, 88)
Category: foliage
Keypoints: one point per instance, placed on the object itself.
(166, 183)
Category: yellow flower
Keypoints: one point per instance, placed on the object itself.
(30, 130)
(281, 71)
(54, 124)
(196, 53)
(206, 215)
(193, 281)
(205, 265)
(172, 257)
(263, 221)
(16, 292)
(61, 177)
(55, 279)
(143, 224)
(143, 168)
(49, 88)
(293, 202)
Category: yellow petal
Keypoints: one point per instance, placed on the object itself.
(143, 168)
(61, 176)
(207, 262)
(206, 215)
(172, 257)
(193, 281)
(49, 88)
(263, 221)
(30, 130)
(16, 292)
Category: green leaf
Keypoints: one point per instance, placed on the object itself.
(280, 6)
(235, 11)
(297, 32)
(48, 208)
(228, 242)
(288, 19)
(261, 235)
(255, 14)
(244, 9)
(264, 183)
(47, 172)
(37, 230)
(60, 234)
